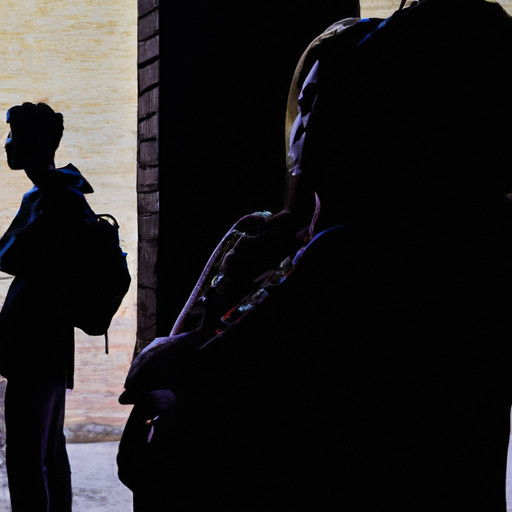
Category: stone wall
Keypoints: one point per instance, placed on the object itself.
(148, 168)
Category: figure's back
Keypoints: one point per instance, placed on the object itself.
(407, 140)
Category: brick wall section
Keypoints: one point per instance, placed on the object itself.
(147, 168)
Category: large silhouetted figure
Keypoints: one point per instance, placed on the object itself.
(354, 351)
(36, 333)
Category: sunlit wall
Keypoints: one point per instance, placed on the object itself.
(81, 58)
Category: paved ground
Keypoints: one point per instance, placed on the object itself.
(96, 487)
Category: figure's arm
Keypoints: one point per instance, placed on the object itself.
(235, 278)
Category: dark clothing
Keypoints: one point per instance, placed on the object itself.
(39, 248)
(377, 376)
(273, 413)
(144, 448)
(406, 129)
(404, 145)
(37, 339)
(37, 462)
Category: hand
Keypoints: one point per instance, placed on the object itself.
(159, 365)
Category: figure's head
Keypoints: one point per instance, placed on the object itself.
(35, 134)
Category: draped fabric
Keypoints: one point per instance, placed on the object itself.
(377, 376)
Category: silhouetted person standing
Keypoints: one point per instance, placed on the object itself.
(36, 333)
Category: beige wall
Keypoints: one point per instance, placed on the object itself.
(82, 59)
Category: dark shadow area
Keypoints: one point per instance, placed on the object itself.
(377, 375)
(225, 74)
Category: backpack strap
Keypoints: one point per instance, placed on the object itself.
(109, 218)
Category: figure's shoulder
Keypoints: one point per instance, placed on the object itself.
(63, 202)
(71, 177)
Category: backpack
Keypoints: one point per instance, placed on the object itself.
(101, 279)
